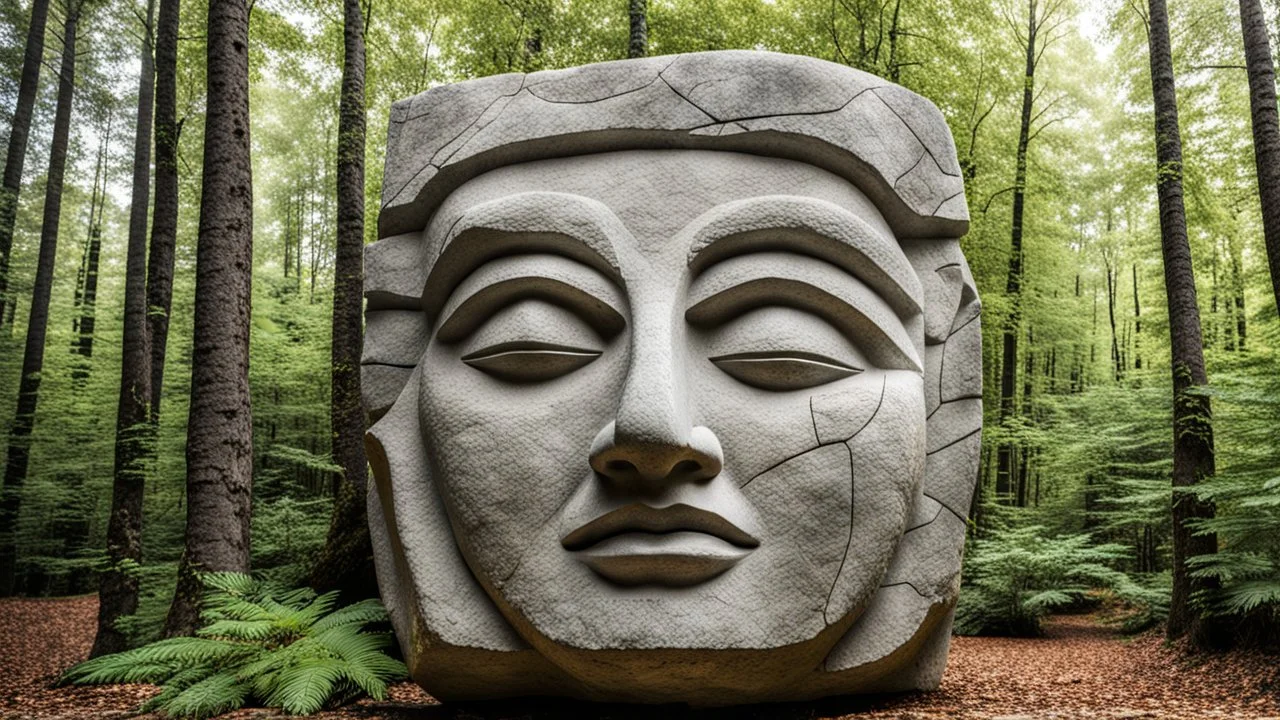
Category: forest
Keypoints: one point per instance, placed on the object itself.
(188, 188)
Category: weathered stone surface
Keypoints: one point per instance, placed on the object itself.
(675, 369)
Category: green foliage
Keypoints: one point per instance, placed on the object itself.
(1017, 576)
(288, 649)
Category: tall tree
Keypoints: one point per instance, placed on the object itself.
(87, 290)
(1266, 128)
(346, 561)
(18, 134)
(15, 474)
(1042, 20)
(118, 585)
(638, 46)
(1192, 422)
(219, 426)
(164, 220)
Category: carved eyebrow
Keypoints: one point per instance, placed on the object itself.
(812, 227)
(562, 224)
(558, 280)
(739, 284)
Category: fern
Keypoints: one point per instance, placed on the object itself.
(261, 643)
(1016, 577)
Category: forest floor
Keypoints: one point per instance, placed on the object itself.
(1080, 669)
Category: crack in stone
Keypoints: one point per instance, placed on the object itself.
(646, 86)
(814, 419)
(473, 124)
(955, 442)
(820, 444)
(908, 584)
(928, 522)
(691, 103)
(917, 137)
(923, 153)
(946, 200)
(950, 509)
(853, 487)
(929, 417)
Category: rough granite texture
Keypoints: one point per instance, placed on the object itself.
(675, 367)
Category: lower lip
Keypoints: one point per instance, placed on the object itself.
(674, 559)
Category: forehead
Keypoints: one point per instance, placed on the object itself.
(656, 193)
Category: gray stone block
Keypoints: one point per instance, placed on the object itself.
(675, 372)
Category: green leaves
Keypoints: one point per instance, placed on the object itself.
(1018, 576)
(283, 648)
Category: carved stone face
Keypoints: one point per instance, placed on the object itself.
(681, 425)
(659, 444)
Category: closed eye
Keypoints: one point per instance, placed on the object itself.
(527, 362)
(781, 371)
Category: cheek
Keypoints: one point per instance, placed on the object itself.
(505, 457)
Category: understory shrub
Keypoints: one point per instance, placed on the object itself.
(1014, 577)
(263, 644)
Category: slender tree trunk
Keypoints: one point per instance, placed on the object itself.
(346, 561)
(1013, 285)
(18, 134)
(220, 425)
(638, 47)
(1266, 128)
(15, 474)
(1192, 425)
(164, 220)
(1137, 322)
(118, 586)
(88, 293)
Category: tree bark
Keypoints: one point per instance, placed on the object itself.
(15, 474)
(638, 47)
(346, 563)
(1192, 425)
(219, 427)
(1266, 128)
(20, 130)
(164, 219)
(1013, 284)
(118, 585)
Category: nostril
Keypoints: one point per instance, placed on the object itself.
(686, 468)
(621, 467)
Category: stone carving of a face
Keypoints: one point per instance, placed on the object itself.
(659, 417)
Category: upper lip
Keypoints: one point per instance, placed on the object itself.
(642, 518)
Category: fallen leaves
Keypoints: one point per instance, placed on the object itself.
(1079, 670)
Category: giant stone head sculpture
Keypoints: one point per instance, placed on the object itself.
(675, 369)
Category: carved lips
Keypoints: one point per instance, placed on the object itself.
(674, 546)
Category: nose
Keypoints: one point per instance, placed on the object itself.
(649, 468)
(650, 445)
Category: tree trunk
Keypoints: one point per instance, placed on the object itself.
(1013, 285)
(15, 474)
(1192, 425)
(164, 220)
(346, 562)
(85, 325)
(118, 586)
(18, 134)
(1266, 128)
(639, 44)
(1137, 323)
(220, 427)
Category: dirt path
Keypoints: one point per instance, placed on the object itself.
(1080, 670)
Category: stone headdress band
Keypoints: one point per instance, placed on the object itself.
(889, 142)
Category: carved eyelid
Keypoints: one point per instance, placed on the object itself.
(555, 279)
(745, 282)
(812, 227)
